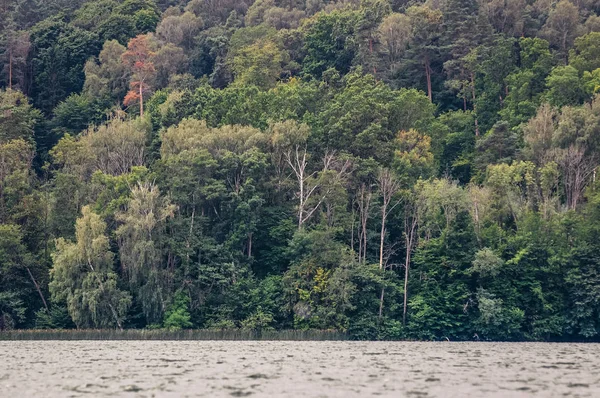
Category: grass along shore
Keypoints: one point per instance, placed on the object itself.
(164, 334)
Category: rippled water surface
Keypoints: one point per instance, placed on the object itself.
(316, 369)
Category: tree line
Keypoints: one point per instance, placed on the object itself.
(390, 169)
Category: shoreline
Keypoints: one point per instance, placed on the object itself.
(177, 335)
(218, 335)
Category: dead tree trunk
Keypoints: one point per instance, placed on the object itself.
(364, 206)
(474, 104)
(410, 240)
(37, 287)
(311, 185)
(388, 187)
(428, 77)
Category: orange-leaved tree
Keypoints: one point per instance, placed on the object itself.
(138, 58)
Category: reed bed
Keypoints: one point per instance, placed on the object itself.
(161, 334)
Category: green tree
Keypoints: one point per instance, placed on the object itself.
(177, 316)
(563, 26)
(17, 117)
(564, 87)
(58, 46)
(586, 52)
(142, 223)
(329, 42)
(83, 276)
(259, 64)
(21, 281)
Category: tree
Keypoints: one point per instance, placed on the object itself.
(14, 57)
(499, 145)
(17, 117)
(563, 26)
(83, 276)
(425, 23)
(117, 146)
(140, 254)
(108, 78)
(177, 315)
(364, 197)
(57, 46)
(575, 150)
(19, 279)
(526, 85)
(364, 117)
(388, 188)
(586, 52)
(329, 43)
(395, 34)
(259, 64)
(538, 134)
(411, 225)
(16, 158)
(180, 30)
(313, 187)
(92, 14)
(169, 60)
(506, 17)
(564, 87)
(76, 113)
(138, 59)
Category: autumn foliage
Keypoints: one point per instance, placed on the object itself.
(138, 58)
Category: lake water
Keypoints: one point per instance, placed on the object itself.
(303, 369)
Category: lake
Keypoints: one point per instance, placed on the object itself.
(307, 368)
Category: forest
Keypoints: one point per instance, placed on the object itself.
(390, 169)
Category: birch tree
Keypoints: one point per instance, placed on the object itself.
(140, 253)
(314, 183)
(83, 276)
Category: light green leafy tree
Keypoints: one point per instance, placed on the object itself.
(84, 278)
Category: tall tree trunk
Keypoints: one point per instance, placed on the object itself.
(474, 104)
(37, 287)
(382, 235)
(406, 269)
(301, 204)
(141, 100)
(381, 302)
(388, 186)
(371, 52)
(428, 77)
(364, 206)
(410, 230)
(10, 68)
(352, 229)
(250, 245)
(190, 233)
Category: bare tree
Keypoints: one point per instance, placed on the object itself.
(389, 253)
(411, 222)
(576, 168)
(314, 188)
(388, 188)
(365, 194)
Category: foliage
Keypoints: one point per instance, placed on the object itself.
(387, 169)
(178, 315)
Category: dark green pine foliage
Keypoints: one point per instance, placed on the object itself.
(59, 52)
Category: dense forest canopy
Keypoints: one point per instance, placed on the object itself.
(389, 168)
